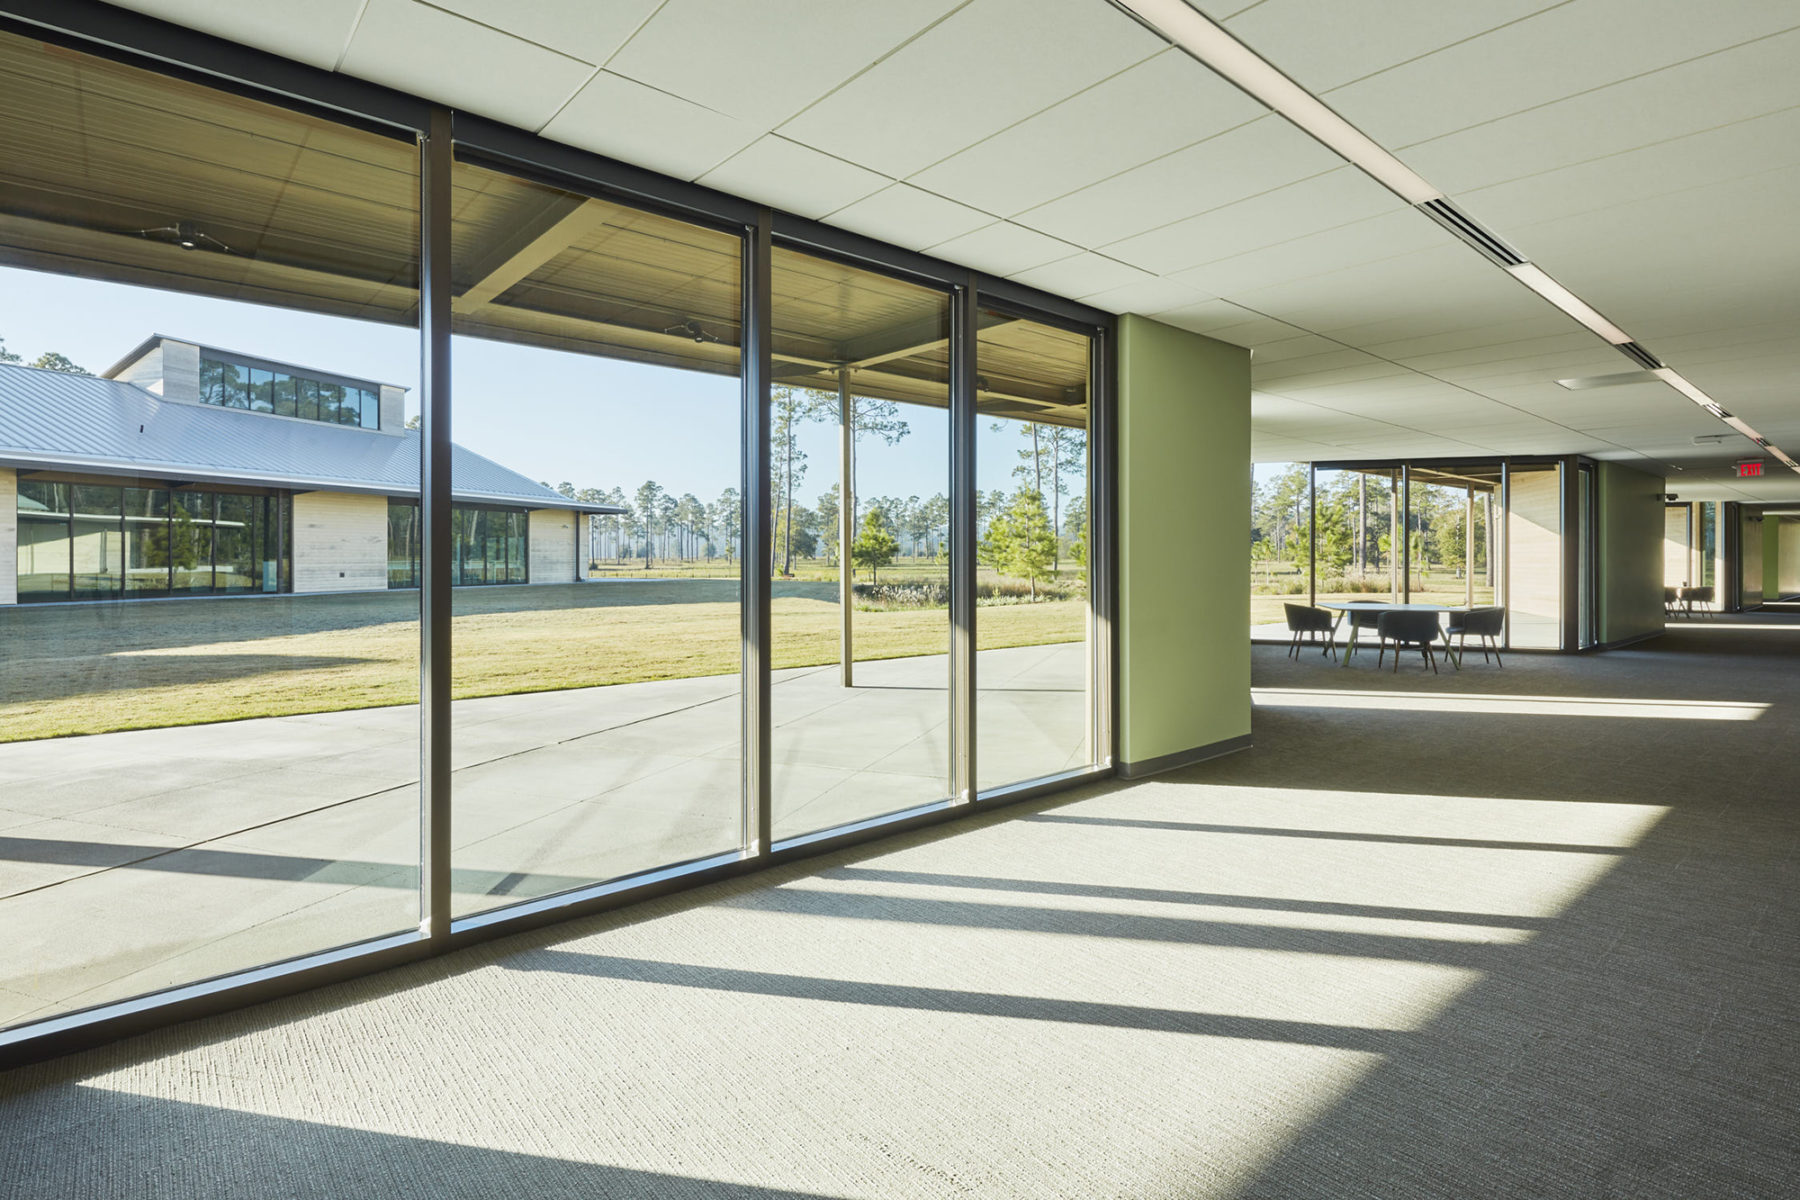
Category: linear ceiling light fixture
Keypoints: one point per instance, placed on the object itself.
(1179, 23)
(1539, 281)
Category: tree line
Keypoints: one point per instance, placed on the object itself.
(1354, 512)
(1026, 533)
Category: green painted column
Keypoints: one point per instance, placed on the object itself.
(1184, 529)
(1630, 528)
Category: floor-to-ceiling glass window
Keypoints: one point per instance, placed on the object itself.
(597, 718)
(859, 459)
(1280, 535)
(1033, 662)
(1534, 560)
(207, 784)
(1450, 531)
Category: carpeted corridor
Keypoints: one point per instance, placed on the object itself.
(1530, 931)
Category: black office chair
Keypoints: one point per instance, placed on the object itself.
(1484, 623)
(1408, 629)
(1304, 622)
(1702, 596)
(1671, 601)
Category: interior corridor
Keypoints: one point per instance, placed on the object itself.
(1505, 932)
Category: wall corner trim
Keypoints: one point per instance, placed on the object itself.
(1184, 758)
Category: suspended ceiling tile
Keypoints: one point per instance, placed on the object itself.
(796, 178)
(1325, 201)
(908, 217)
(1489, 352)
(579, 28)
(1004, 249)
(444, 57)
(985, 67)
(1294, 347)
(1145, 296)
(1564, 50)
(623, 119)
(1324, 43)
(1093, 135)
(1246, 161)
(1265, 372)
(1228, 323)
(314, 33)
(1652, 115)
(1546, 323)
(1082, 275)
(1318, 254)
(764, 62)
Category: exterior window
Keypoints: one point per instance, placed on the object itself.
(262, 390)
(284, 395)
(146, 542)
(229, 384)
(487, 545)
(43, 541)
(98, 537)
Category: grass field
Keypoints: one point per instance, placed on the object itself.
(79, 669)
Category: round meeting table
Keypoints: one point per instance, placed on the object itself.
(1351, 607)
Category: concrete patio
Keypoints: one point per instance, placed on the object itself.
(140, 860)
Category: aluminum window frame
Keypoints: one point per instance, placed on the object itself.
(444, 137)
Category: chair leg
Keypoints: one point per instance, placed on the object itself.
(1497, 661)
(1430, 658)
(1382, 656)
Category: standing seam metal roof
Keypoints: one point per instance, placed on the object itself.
(55, 420)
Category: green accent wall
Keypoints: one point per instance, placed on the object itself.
(1630, 529)
(1184, 521)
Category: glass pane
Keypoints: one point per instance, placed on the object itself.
(599, 711)
(1032, 716)
(1449, 529)
(99, 542)
(262, 390)
(235, 567)
(1279, 509)
(306, 399)
(146, 542)
(1534, 557)
(403, 544)
(371, 410)
(44, 546)
(869, 736)
(331, 402)
(284, 395)
(216, 783)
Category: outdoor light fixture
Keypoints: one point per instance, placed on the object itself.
(187, 235)
(1194, 33)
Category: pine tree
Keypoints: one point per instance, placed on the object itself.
(1020, 541)
(874, 546)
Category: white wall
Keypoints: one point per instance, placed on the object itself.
(9, 536)
(552, 532)
(181, 371)
(340, 542)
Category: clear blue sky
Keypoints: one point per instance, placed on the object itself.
(553, 416)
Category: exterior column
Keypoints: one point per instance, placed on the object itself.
(846, 524)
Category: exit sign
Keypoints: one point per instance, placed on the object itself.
(1749, 470)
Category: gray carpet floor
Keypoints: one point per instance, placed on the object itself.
(1519, 932)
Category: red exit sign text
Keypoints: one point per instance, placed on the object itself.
(1749, 470)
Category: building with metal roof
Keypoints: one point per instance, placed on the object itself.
(191, 470)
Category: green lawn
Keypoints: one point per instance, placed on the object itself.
(90, 669)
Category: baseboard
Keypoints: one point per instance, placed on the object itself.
(1182, 758)
(1630, 641)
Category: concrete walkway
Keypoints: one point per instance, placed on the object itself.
(136, 861)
